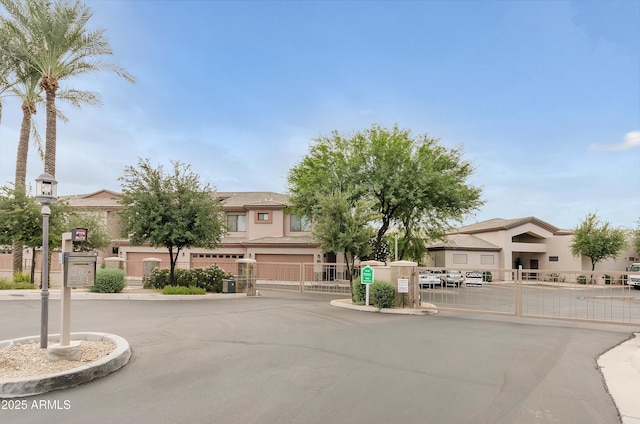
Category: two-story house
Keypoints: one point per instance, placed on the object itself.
(258, 227)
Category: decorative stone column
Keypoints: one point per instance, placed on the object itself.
(148, 265)
(246, 276)
(117, 263)
(406, 269)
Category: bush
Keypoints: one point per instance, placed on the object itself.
(383, 295)
(487, 276)
(182, 290)
(582, 279)
(358, 292)
(210, 279)
(11, 285)
(22, 278)
(109, 280)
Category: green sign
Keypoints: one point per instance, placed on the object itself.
(367, 275)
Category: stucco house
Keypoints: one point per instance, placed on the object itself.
(259, 227)
(508, 243)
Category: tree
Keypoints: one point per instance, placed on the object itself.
(410, 182)
(97, 237)
(597, 240)
(171, 210)
(635, 239)
(343, 226)
(21, 218)
(52, 39)
(41, 44)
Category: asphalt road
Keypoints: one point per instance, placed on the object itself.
(292, 358)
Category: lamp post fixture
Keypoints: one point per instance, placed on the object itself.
(46, 194)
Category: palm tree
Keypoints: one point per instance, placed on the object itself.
(27, 88)
(25, 38)
(52, 39)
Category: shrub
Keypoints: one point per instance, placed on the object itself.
(109, 280)
(383, 294)
(582, 279)
(358, 292)
(182, 290)
(22, 278)
(10, 285)
(210, 279)
(487, 276)
(554, 277)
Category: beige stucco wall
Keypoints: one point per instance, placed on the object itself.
(259, 230)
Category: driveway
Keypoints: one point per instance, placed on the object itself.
(292, 358)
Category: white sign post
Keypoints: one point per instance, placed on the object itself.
(403, 287)
(367, 279)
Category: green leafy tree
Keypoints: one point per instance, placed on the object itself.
(52, 39)
(342, 225)
(21, 218)
(97, 235)
(597, 240)
(171, 210)
(411, 182)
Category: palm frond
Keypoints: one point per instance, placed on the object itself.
(79, 97)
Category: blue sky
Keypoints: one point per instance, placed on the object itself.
(543, 96)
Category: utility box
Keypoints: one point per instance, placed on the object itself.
(229, 285)
(79, 269)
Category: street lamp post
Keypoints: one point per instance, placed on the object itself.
(46, 191)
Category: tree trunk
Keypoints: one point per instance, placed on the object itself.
(28, 109)
(50, 86)
(173, 259)
(33, 267)
(381, 232)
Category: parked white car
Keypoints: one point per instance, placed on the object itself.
(428, 279)
(452, 278)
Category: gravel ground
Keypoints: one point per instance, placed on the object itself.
(29, 360)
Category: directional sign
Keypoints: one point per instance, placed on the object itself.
(367, 275)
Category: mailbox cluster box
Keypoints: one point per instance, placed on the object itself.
(79, 269)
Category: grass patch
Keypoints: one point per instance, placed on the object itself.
(183, 290)
(17, 285)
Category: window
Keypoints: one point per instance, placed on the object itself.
(263, 217)
(236, 223)
(486, 259)
(459, 258)
(300, 223)
(553, 259)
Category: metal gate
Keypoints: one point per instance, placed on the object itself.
(550, 294)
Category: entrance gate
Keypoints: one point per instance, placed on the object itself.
(564, 295)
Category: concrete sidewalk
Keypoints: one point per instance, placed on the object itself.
(126, 294)
(621, 369)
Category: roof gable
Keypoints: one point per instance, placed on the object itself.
(464, 242)
(499, 224)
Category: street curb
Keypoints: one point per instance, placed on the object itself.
(348, 304)
(85, 295)
(34, 385)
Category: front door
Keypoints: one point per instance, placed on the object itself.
(533, 264)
